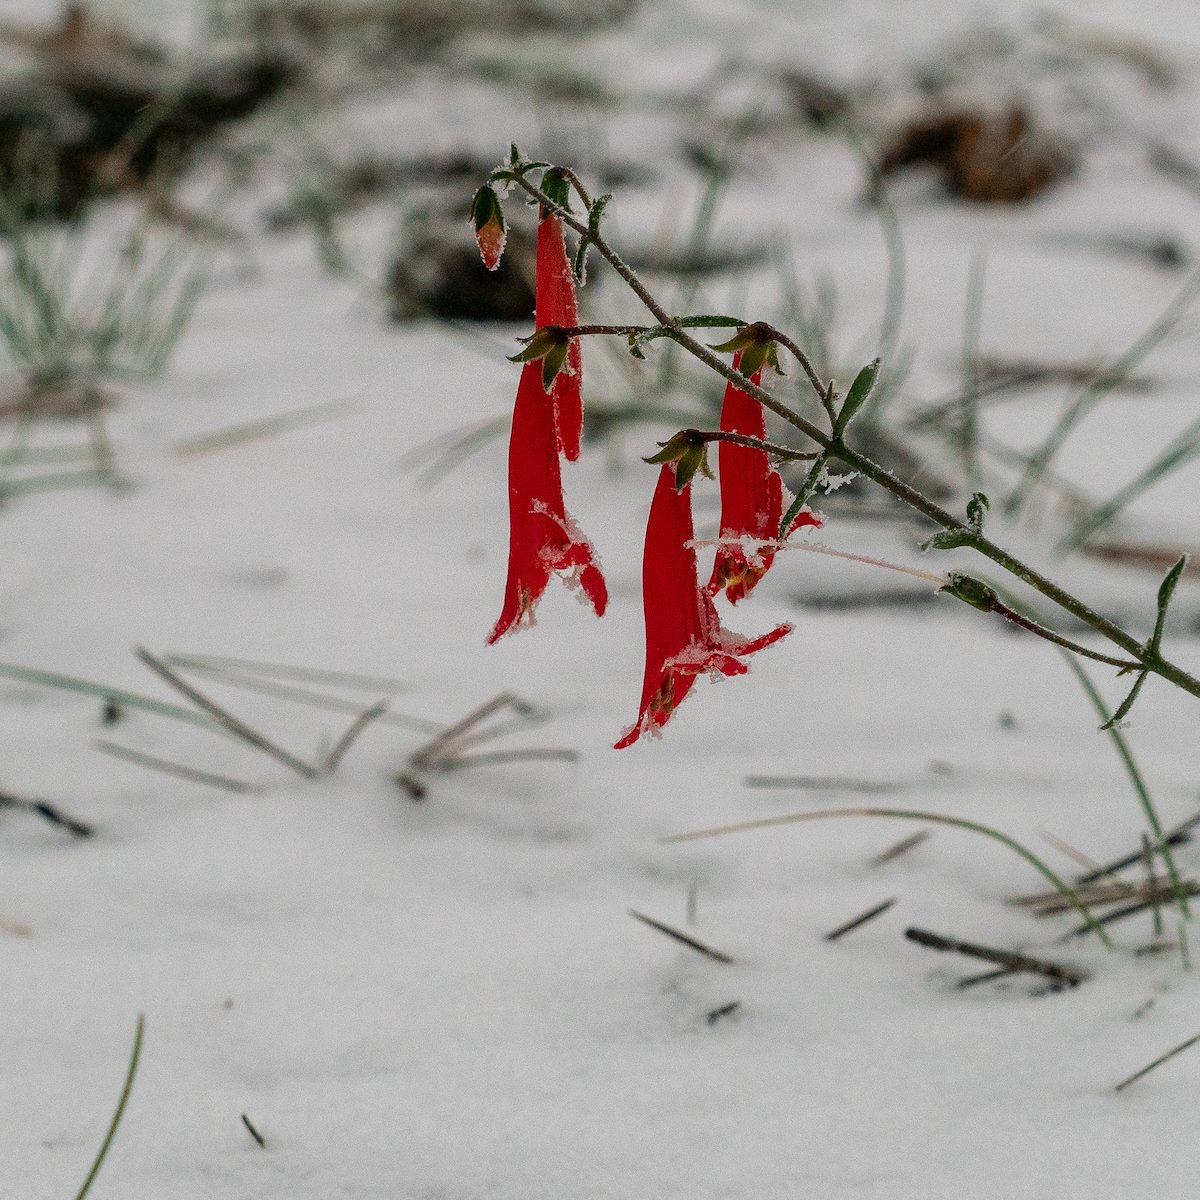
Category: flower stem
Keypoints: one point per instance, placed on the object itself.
(833, 446)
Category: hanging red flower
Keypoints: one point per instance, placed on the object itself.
(543, 540)
(751, 498)
(555, 305)
(684, 636)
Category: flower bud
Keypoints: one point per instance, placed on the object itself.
(490, 231)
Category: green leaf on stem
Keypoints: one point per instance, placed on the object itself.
(1166, 590)
(950, 539)
(857, 396)
(977, 507)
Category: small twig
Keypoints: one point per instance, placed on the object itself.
(233, 724)
(861, 919)
(682, 938)
(356, 727)
(723, 1010)
(970, 981)
(1003, 958)
(751, 443)
(1030, 626)
(225, 782)
(258, 1137)
(48, 813)
(903, 846)
(1158, 1062)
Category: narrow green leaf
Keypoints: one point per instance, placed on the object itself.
(857, 396)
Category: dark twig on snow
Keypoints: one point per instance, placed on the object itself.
(690, 942)
(55, 816)
(1158, 1062)
(903, 846)
(258, 1137)
(1177, 837)
(877, 911)
(1002, 958)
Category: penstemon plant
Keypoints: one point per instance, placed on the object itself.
(684, 635)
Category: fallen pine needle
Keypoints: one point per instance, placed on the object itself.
(1158, 1062)
(690, 942)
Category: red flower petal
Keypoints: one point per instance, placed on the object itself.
(751, 498)
(543, 540)
(684, 636)
(555, 305)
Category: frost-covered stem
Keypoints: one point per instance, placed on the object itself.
(834, 446)
(753, 443)
(1024, 622)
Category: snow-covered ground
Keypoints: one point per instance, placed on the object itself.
(447, 999)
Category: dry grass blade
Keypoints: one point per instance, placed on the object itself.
(300, 695)
(233, 724)
(855, 922)
(682, 938)
(265, 427)
(903, 846)
(1002, 958)
(1158, 1062)
(1178, 836)
(225, 783)
(495, 757)
(218, 663)
(355, 729)
(1151, 900)
(822, 783)
(443, 745)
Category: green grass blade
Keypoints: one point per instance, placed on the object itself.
(1059, 884)
(119, 1112)
(1135, 778)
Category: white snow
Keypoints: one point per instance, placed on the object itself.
(446, 999)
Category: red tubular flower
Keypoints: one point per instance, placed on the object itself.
(555, 305)
(751, 498)
(683, 632)
(542, 538)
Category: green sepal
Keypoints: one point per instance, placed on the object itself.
(556, 189)
(745, 337)
(857, 396)
(688, 450)
(971, 591)
(485, 208)
(635, 347)
(550, 344)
